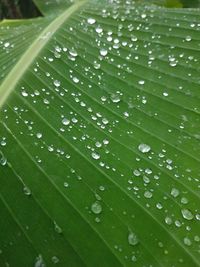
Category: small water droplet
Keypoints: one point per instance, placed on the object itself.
(24, 93)
(168, 220)
(39, 135)
(65, 121)
(103, 52)
(57, 228)
(175, 192)
(3, 160)
(132, 239)
(27, 191)
(55, 259)
(144, 148)
(39, 262)
(187, 241)
(95, 155)
(91, 21)
(148, 194)
(188, 38)
(56, 83)
(7, 44)
(115, 98)
(96, 207)
(75, 80)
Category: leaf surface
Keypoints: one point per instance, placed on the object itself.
(99, 136)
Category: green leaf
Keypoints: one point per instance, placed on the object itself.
(99, 136)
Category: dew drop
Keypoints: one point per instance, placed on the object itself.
(115, 98)
(103, 52)
(144, 148)
(7, 44)
(39, 135)
(3, 160)
(148, 194)
(65, 121)
(187, 241)
(91, 21)
(188, 38)
(39, 262)
(168, 220)
(187, 214)
(175, 192)
(27, 191)
(132, 239)
(56, 83)
(75, 80)
(57, 228)
(95, 155)
(55, 259)
(96, 207)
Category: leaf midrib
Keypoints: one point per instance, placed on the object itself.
(33, 51)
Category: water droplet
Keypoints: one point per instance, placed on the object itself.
(75, 80)
(184, 200)
(187, 241)
(95, 155)
(136, 172)
(141, 82)
(56, 83)
(66, 184)
(188, 38)
(65, 121)
(91, 21)
(101, 188)
(97, 65)
(7, 44)
(96, 207)
(57, 228)
(115, 98)
(103, 52)
(159, 206)
(39, 135)
(134, 259)
(3, 160)
(187, 214)
(39, 262)
(175, 192)
(168, 220)
(165, 94)
(24, 93)
(55, 259)
(144, 148)
(27, 191)
(148, 194)
(132, 239)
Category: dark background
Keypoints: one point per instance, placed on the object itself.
(16, 9)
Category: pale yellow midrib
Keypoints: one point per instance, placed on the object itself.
(28, 57)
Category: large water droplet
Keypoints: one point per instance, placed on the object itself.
(187, 214)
